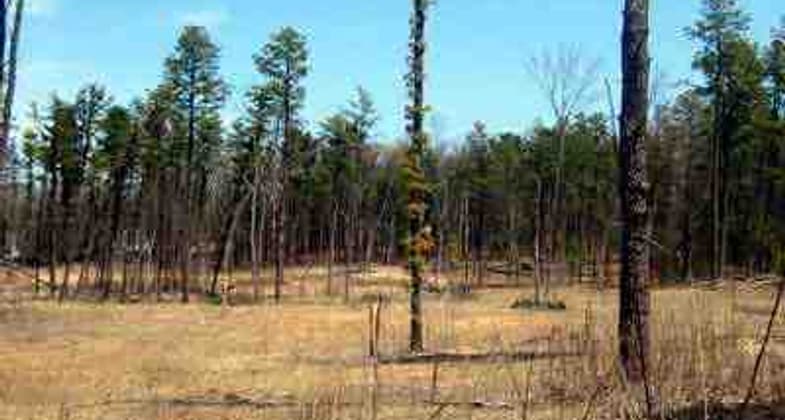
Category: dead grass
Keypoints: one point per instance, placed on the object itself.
(307, 357)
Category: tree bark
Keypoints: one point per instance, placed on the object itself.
(634, 296)
(3, 38)
(418, 230)
(10, 87)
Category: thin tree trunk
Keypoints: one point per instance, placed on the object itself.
(227, 242)
(349, 218)
(253, 236)
(444, 207)
(65, 231)
(559, 205)
(538, 239)
(333, 235)
(278, 229)
(718, 137)
(124, 275)
(466, 243)
(686, 245)
(186, 231)
(724, 228)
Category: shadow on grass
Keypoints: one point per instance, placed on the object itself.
(772, 411)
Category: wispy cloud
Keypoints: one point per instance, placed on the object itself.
(51, 67)
(210, 18)
(42, 8)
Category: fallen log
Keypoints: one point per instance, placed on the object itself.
(429, 358)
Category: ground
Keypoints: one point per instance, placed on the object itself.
(307, 358)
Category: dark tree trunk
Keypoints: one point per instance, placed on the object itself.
(119, 185)
(418, 231)
(538, 244)
(634, 296)
(279, 243)
(10, 87)
(349, 225)
(187, 229)
(282, 206)
(3, 38)
(51, 214)
(717, 164)
(254, 236)
(65, 230)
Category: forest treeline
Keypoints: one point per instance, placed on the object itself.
(162, 195)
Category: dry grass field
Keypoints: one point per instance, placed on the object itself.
(307, 358)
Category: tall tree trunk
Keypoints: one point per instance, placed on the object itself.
(717, 140)
(186, 231)
(10, 82)
(282, 206)
(3, 39)
(419, 234)
(634, 296)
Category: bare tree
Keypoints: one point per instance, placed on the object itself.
(567, 79)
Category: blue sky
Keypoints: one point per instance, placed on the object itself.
(476, 65)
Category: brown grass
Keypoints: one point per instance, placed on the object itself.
(307, 359)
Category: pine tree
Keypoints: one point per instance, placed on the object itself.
(721, 32)
(478, 143)
(89, 109)
(192, 74)
(64, 171)
(283, 61)
(117, 153)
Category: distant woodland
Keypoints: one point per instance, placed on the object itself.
(162, 197)
(169, 194)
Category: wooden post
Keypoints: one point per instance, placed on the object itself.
(434, 381)
(371, 332)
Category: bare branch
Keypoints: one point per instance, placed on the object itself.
(566, 78)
